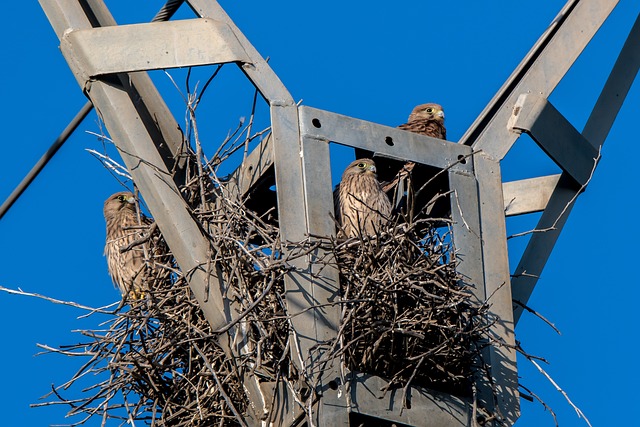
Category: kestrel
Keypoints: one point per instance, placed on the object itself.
(361, 206)
(131, 256)
(428, 120)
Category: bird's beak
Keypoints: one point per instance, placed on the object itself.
(131, 200)
(440, 114)
(372, 168)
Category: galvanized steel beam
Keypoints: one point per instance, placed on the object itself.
(528, 195)
(132, 137)
(542, 241)
(322, 289)
(501, 353)
(562, 200)
(428, 408)
(540, 72)
(467, 246)
(151, 46)
(385, 141)
(558, 138)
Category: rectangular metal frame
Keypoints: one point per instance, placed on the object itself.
(297, 152)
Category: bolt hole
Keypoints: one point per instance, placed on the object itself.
(333, 385)
(389, 141)
(462, 159)
(316, 123)
(250, 168)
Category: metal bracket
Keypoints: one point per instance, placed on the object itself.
(384, 140)
(528, 195)
(555, 135)
(151, 46)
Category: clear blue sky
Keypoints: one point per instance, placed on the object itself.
(367, 61)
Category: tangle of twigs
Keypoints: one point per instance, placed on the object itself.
(407, 316)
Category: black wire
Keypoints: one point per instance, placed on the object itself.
(164, 14)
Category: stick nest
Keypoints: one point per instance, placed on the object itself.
(407, 317)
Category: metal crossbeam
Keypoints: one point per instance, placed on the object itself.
(434, 408)
(540, 72)
(151, 46)
(528, 195)
(109, 63)
(384, 140)
(563, 197)
(555, 135)
(136, 141)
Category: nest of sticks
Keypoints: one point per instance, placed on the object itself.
(407, 316)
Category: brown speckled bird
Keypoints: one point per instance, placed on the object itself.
(130, 268)
(360, 204)
(426, 119)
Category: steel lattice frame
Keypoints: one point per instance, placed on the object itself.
(98, 51)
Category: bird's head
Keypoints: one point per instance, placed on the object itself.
(361, 166)
(427, 112)
(119, 201)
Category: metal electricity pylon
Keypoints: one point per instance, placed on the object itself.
(109, 63)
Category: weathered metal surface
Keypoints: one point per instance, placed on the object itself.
(528, 195)
(562, 200)
(539, 72)
(323, 285)
(427, 407)
(148, 167)
(502, 354)
(384, 140)
(151, 46)
(467, 242)
(558, 138)
(297, 155)
(542, 241)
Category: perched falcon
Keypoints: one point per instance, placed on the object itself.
(403, 188)
(360, 204)
(129, 249)
(426, 119)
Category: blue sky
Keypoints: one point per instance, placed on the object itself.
(353, 58)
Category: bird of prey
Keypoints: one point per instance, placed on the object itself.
(132, 258)
(428, 120)
(361, 206)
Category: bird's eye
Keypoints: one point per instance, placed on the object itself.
(429, 110)
(121, 198)
(362, 165)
